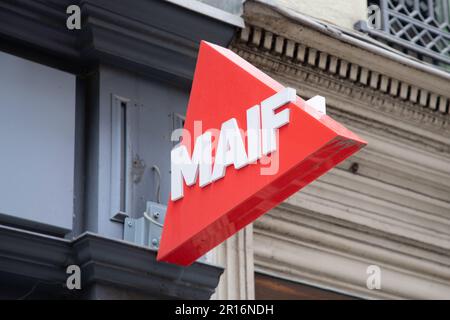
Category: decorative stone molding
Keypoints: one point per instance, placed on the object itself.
(296, 53)
(411, 170)
(305, 246)
(330, 232)
(293, 57)
(366, 91)
(354, 47)
(388, 204)
(293, 53)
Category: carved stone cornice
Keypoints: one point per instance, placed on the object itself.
(363, 89)
(379, 128)
(353, 94)
(348, 54)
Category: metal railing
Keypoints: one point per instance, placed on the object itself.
(420, 28)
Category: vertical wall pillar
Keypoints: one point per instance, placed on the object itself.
(236, 256)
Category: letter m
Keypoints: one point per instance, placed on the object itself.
(187, 168)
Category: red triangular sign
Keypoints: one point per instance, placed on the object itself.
(310, 143)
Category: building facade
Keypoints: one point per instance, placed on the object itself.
(86, 125)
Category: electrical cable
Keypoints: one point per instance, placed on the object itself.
(151, 219)
(158, 188)
(34, 287)
(157, 195)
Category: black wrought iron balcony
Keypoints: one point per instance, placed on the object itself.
(419, 28)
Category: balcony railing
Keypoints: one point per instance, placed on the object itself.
(419, 28)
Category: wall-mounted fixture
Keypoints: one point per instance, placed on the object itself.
(146, 231)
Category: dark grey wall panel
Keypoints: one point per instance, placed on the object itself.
(146, 36)
(33, 260)
(151, 106)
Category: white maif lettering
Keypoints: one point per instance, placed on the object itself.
(262, 126)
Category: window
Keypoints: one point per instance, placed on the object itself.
(272, 288)
(37, 141)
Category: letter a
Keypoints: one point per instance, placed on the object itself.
(74, 20)
(74, 280)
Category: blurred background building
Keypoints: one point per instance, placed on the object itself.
(86, 118)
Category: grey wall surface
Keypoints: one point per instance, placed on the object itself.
(151, 105)
(45, 116)
(37, 124)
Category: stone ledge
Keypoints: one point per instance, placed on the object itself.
(129, 268)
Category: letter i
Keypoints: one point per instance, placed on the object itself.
(253, 134)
